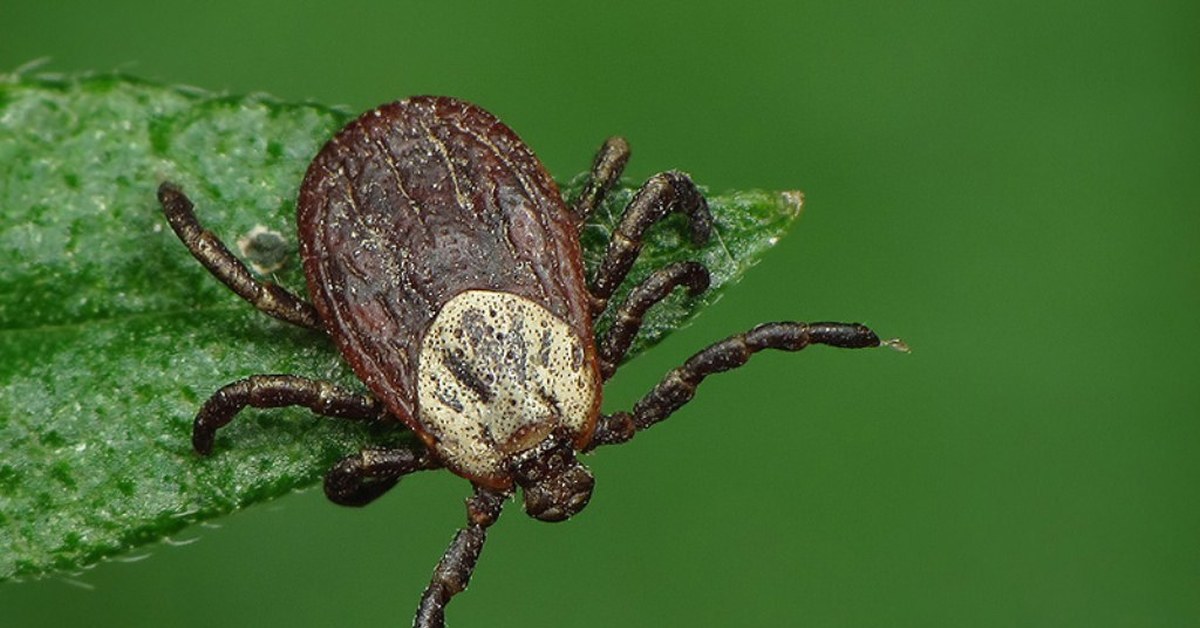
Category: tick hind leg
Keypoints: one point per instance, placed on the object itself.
(277, 391)
(215, 256)
(606, 171)
(453, 571)
(679, 386)
(664, 193)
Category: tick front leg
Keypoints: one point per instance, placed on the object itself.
(453, 571)
(661, 195)
(270, 298)
(679, 386)
(628, 319)
(277, 391)
(606, 171)
(360, 478)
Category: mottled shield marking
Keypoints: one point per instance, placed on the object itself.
(498, 373)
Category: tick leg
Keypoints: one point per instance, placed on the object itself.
(628, 318)
(276, 391)
(662, 194)
(213, 254)
(606, 171)
(358, 479)
(454, 570)
(679, 386)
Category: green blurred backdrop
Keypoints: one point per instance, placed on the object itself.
(1011, 187)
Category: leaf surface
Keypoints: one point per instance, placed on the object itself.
(112, 335)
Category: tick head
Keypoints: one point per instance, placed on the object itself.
(555, 483)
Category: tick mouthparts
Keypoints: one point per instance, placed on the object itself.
(555, 483)
(896, 344)
(559, 497)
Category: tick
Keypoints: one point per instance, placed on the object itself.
(446, 266)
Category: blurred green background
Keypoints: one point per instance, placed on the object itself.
(1011, 187)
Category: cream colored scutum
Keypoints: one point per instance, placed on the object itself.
(497, 373)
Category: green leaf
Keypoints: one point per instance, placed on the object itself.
(111, 335)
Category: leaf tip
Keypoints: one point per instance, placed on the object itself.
(793, 200)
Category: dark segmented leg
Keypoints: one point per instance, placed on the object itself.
(628, 318)
(662, 194)
(215, 256)
(358, 479)
(606, 171)
(276, 391)
(454, 570)
(678, 387)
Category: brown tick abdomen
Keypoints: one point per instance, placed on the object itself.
(413, 203)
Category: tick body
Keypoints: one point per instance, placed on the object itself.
(446, 266)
